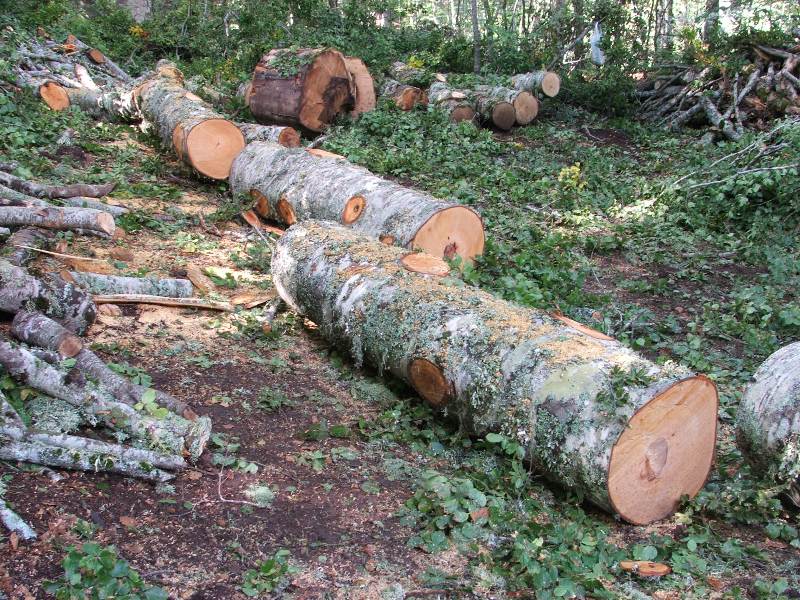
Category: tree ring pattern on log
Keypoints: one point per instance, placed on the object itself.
(353, 209)
(54, 96)
(429, 382)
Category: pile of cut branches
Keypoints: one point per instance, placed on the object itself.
(764, 89)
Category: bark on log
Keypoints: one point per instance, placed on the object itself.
(364, 85)
(32, 237)
(291, 185)
(633, 442)
(405, 96)
(768, 419)
(79, 202)
(493, 109)
(454, 102)
(285, 136)
(547, 82)
(36, 329)
(117, 105)
(202, 138)
(303, 88)
(16, 198)
(112, 284)
(162, 301)
(55, 191)
(525, 104)
(58, 218)
(58, 299)
(408, 75)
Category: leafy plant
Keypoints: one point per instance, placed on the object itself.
(268, 575)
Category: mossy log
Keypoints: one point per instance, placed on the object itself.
(525, 104)
(363, 84)
(546, 82)
(292, 185)
(304, 88)
(768, 419)
(631, 436)
(455, 103)
(285, 136)
(58, 218)
(201, 137)
(51, 294)
(405, 96)
(493, 109)
(95, 283)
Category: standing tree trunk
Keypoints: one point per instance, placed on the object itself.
(302, 88)
(712, 19)
(631, 436)
(201, 137)
(476, 39)
(291, 185)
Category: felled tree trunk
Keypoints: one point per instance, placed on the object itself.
(52, 295)
(405, 96)
(525, 104)
(285, 136)
(114, 105)
(493, 109)
(363, 84)
(291, 185)
(454, 102)
(546, 82)
(62, 219)
(202, 138)
(631, 436)
(17, 249)
(112, 284)
(768, 419)
(302, 88)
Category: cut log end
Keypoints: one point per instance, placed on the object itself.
(211, 147)
(504, 116)
(419, 262)
(96, 56)
(285, 211)
(261, 207)
(353, 209)
(665, 452)
(527, 107)
(54, 96)
(386, 239)
(105, 222)
(551, 84)
(645, 568)
(462, 113)
(454, 231)
(429, 382)
(70, 346)
(365, 100)
(326, 91)
(289, 137)
(408, 98)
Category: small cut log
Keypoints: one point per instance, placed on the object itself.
(493, 109)
(546, 82)
(95, 283)
(405, 96)
(455, 103)
(526, 106)
(58, 218)
(285, 136)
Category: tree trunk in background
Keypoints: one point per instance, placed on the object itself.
(712, 19)
(476, 39)
(139, 9)
(633, 445)
(669, 32)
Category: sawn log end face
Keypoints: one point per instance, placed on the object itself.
(454, 231)
(430, 383)
(665, 452)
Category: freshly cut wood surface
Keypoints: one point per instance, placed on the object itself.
(54, 95)
(161, 300)
(291, 185)
(645, 568)
(454, 102)
(547, 82)
(304, 88)
(633, 445)
(405, 96)
(365, 99)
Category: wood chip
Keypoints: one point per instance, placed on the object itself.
(123, 254)
(645, 568)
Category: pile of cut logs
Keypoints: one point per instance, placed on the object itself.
(765, 89)
(81, 410)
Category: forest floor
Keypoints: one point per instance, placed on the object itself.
(342, 453)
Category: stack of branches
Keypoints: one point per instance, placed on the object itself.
(764, 89)
(69, 409)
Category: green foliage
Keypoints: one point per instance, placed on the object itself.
(95, 572)
(270, 399)
(268, 575)
(225, 450)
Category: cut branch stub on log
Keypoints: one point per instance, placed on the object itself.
(303, 88)
(768, 419)
(632, 436)
(363, 83)
(547, 82)
(454, 102)
(201, 137)
(28, 326)
(291, 185)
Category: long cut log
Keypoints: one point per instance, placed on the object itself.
(303, 88)
(493, 109)
(768, 419)
(58, 218)
(455, 103)
(547, 82)
(291, 185)
(201, 137)
(631, 436)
